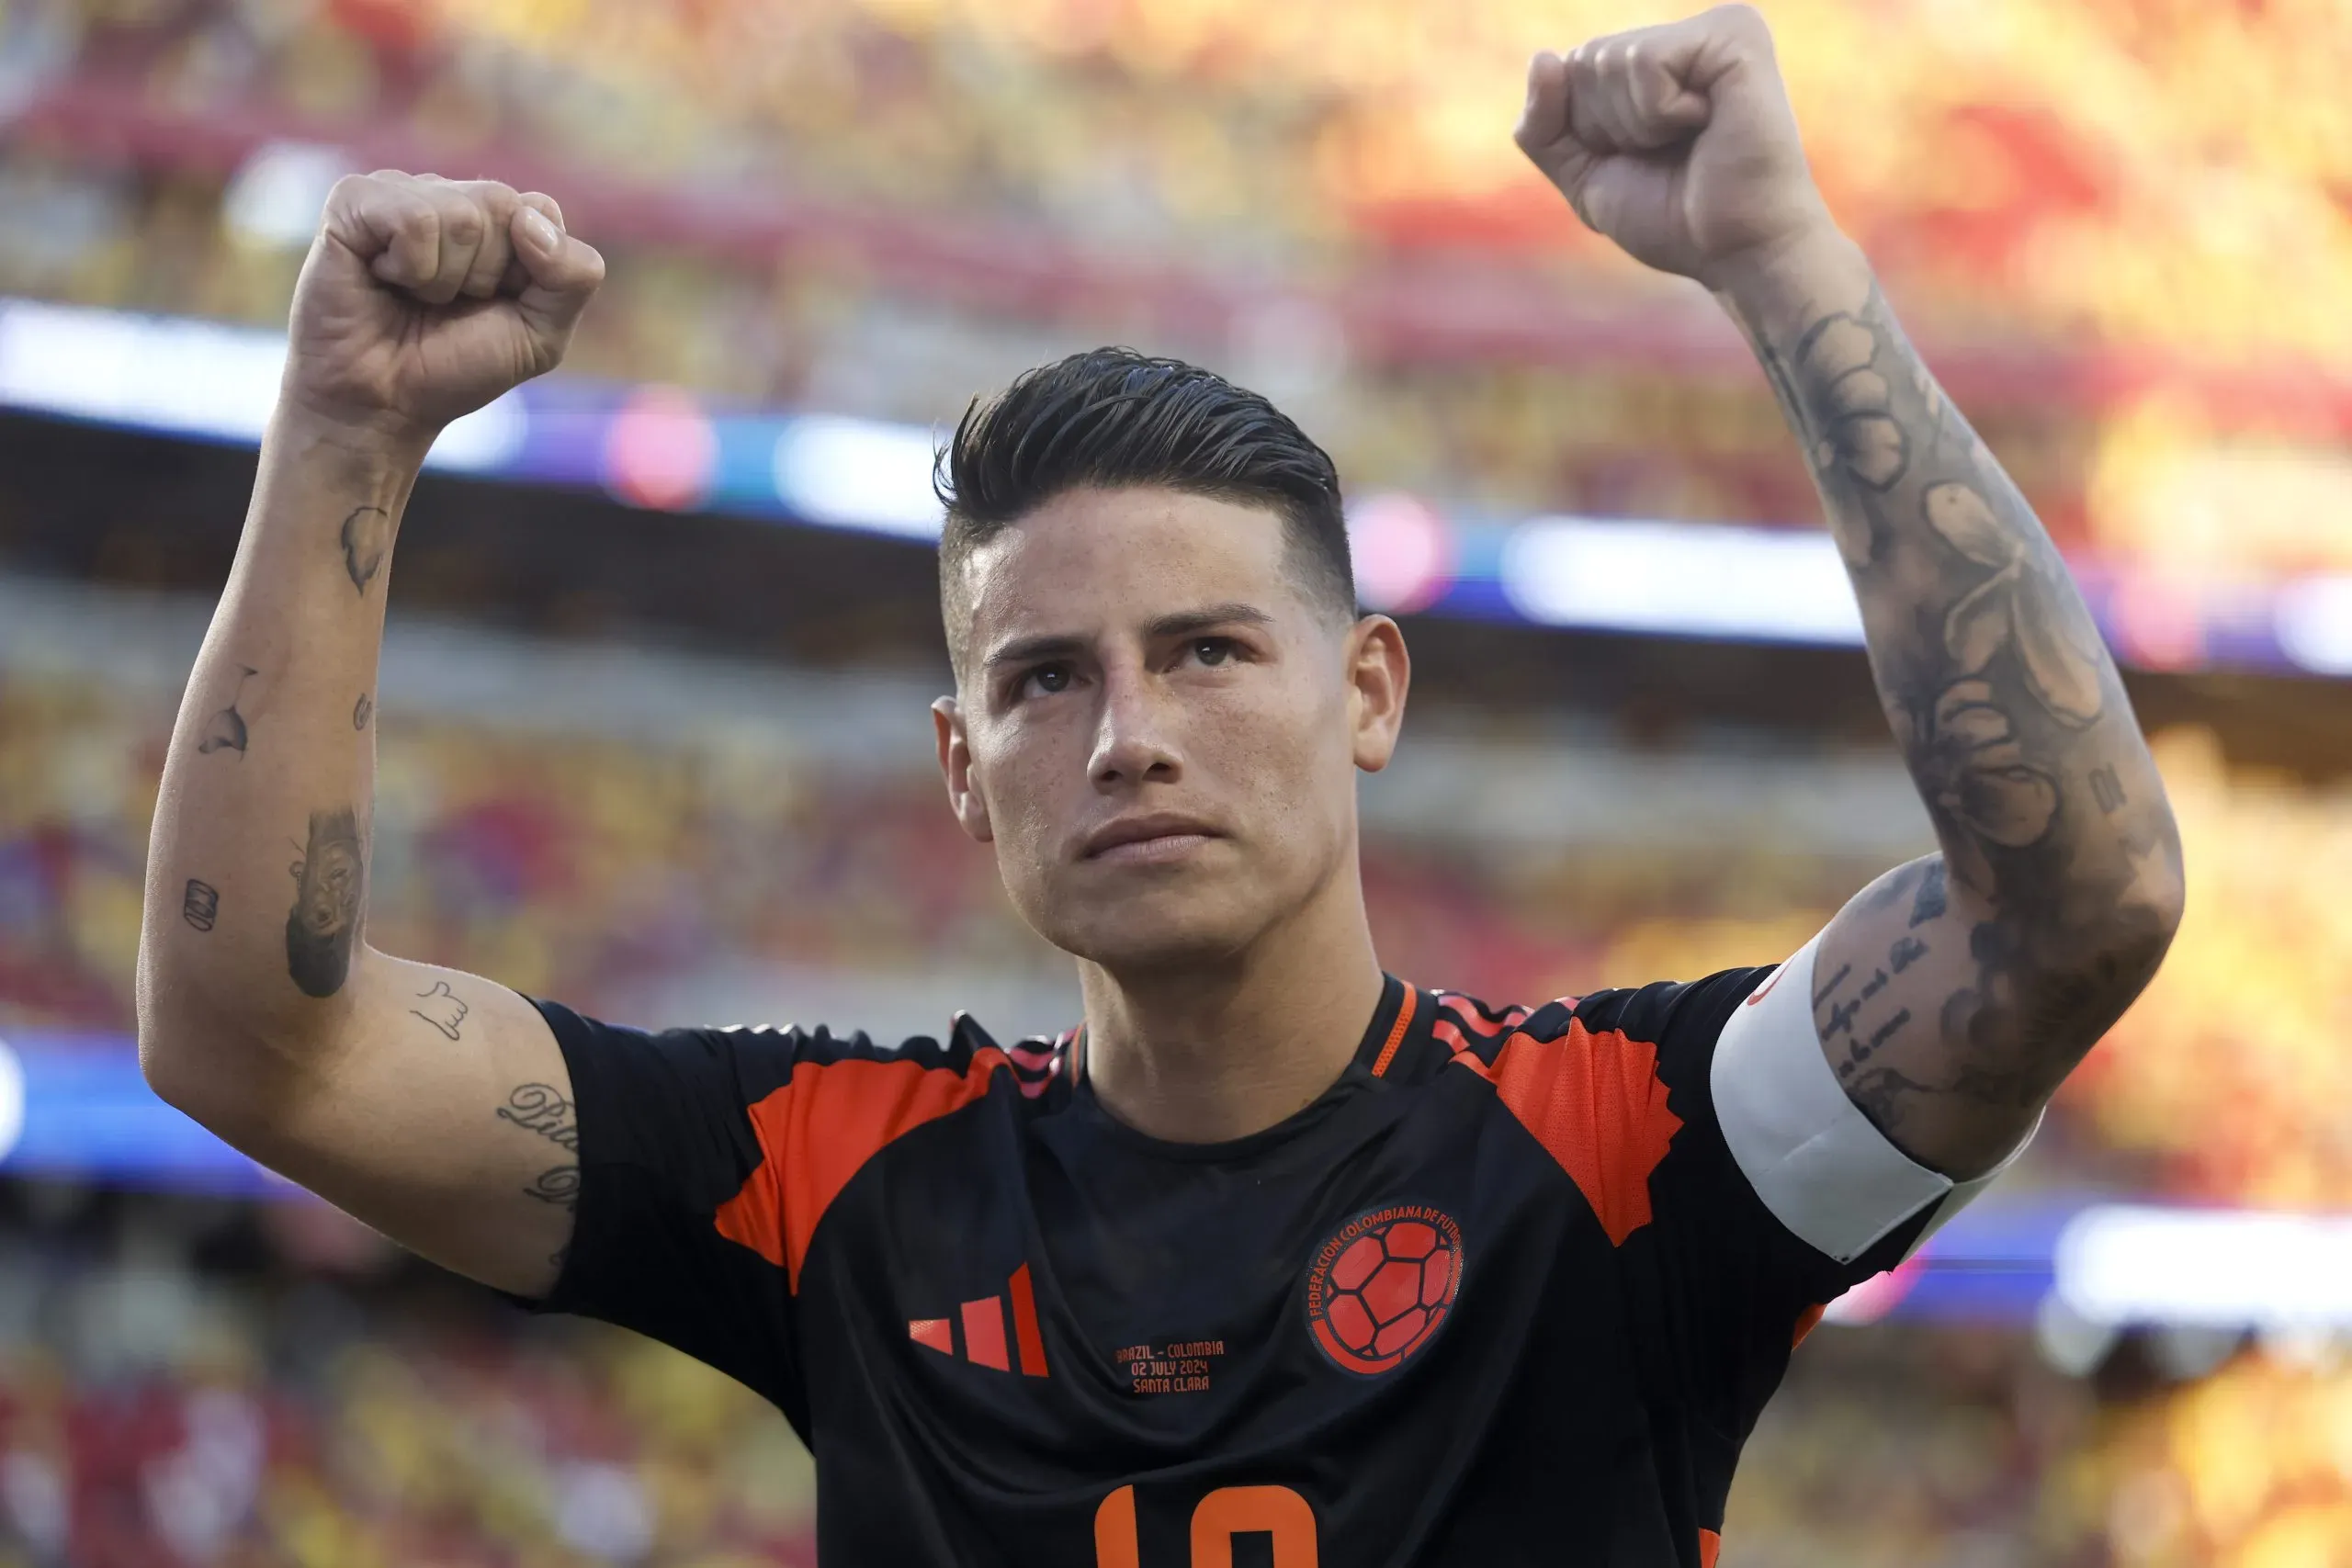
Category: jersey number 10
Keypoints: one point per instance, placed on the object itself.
(1228, 1511)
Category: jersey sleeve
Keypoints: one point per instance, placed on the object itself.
(1772, 1195)
(666, 1140)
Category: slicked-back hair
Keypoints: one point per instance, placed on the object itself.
(1111, 418)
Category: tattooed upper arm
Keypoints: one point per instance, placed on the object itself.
(441, 1114)
(1954, 995)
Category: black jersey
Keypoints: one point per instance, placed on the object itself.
(1501, 1295)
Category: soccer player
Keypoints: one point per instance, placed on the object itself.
(1277, 1254)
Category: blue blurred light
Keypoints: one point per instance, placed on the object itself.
(660, 447)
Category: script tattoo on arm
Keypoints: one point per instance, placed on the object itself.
(367, 538)
(539, 1107)
(2059, 884)
(329, 887)
(558, 1186)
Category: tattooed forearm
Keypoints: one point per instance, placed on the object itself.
(1987, 658)
(200, 904)
(366, 537)
(329, 882)
(225, 730)
(560, 1186)
(538, 1108)
(2059, 884)
(442, 1009)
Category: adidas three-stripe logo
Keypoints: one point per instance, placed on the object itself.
(981, 1326)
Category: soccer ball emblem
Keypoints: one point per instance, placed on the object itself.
(1379, 1286)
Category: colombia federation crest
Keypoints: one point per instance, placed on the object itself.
(1379, 1287)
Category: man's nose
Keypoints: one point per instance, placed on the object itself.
(1132, 740)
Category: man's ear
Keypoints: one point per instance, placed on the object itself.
(1378, 671)
(955, 768)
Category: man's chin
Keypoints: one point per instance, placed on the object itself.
(1157, 932)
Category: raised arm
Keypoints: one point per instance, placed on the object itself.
(1955, 993)
(429, 1103)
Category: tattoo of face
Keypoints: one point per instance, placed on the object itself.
(560, 1186)
(362, 711)
(537, 1108)
(325, 922)
(366, 537)
(442, 1009)
(225, 730)
(200, 904)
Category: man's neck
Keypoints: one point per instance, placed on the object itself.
(1211, 1054)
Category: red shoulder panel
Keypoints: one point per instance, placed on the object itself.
(817, 1132)
(1596, 1103)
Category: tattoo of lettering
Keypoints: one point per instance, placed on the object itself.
(442, 1009)
(538, 1108)
(200, 904)
(362, 711)
(325, 922)
(225, 730)
(560, 1186)
(2008, 711)
(1830, 989)
(1906, 951)
(1841, 1019)
(367, 540)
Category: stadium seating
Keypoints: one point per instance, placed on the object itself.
(1355, 233)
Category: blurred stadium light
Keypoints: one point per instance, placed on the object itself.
(662, 448)
(2127, 1264)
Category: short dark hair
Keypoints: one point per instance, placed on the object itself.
(1112, 417)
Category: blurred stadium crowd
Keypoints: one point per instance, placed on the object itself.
(876, 206)
(871, 206)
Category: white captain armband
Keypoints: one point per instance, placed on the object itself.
(1817, 1162)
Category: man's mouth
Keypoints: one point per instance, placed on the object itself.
(1148, 839)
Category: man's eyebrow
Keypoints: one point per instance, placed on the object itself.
(1183, 622)
(1178, 622)
(1047, 645)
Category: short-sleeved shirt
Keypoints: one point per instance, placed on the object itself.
(1503, 1295)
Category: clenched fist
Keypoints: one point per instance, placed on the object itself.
(1677, 142)
(423, 298)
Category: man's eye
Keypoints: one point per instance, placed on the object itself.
(1213, 649)
(1048, 680)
